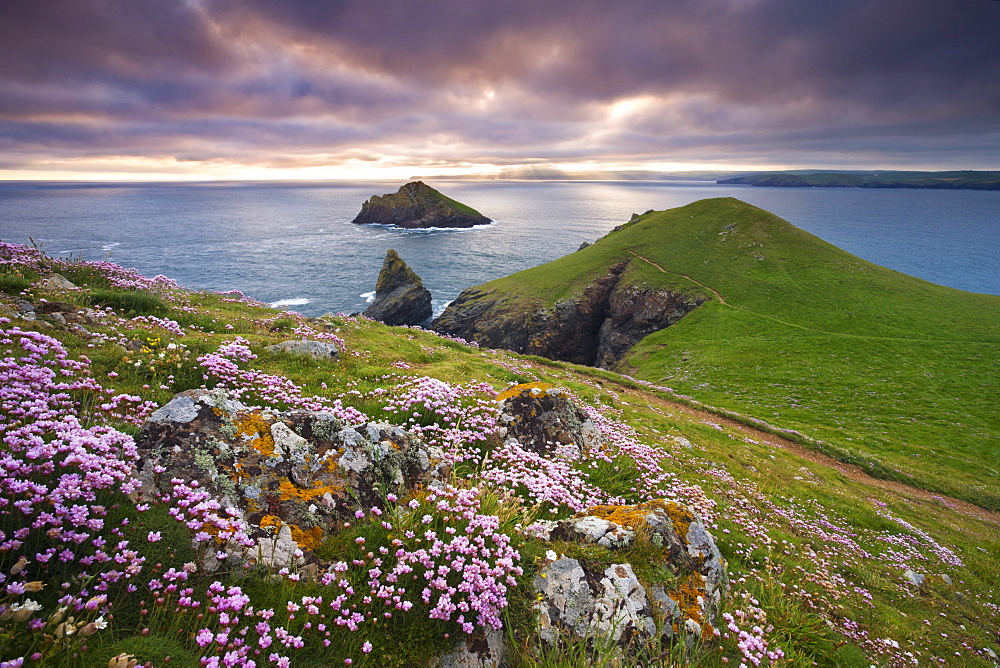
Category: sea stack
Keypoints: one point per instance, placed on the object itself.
(418, 206)
(400, 295)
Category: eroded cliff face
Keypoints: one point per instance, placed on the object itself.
(596, 327)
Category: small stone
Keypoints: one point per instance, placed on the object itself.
(914, 578)
(55, 282)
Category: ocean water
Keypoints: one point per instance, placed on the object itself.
(293, 245)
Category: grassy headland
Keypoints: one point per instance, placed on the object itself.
(894, 373)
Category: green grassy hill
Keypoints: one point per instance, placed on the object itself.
(893, 373)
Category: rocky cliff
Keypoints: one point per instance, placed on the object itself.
(597, 326)
(418, 206)
(400, 295)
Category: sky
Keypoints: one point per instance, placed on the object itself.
(330, 89)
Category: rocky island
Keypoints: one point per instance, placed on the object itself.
(418, 206)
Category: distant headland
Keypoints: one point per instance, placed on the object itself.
(959, 180)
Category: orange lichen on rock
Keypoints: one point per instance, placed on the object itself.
(290, 492)
(690, 597)
(307, 539)
(523, 387)
(257, 429)
(633, 517)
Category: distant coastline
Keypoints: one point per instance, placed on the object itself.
(801, 178)
(956, 180)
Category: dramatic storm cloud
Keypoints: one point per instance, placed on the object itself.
(192, 86)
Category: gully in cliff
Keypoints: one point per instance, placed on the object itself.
(418, 206)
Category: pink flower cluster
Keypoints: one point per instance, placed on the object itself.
(223, 369)
(752, 642)
(57, 475)
(457, 418)
(214, 527)
(118, 277)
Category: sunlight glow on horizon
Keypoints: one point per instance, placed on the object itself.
(172, 170)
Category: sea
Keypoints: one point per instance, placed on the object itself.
(293, 245)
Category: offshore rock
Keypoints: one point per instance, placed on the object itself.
(418, 206)
(594, 601)
(595, 327)
(541, 417)
(290, 475)
(400, 295)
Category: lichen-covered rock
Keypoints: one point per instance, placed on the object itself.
(290, 475)
(688, 607)
(588, 603)
(317, 349)
(541, 417)
(400, 295)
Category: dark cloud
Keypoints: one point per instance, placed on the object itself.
(469, 80)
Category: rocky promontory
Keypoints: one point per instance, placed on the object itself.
(596, 326)
(400, 295)
(418, 206)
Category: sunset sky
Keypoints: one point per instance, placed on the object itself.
(310, 89)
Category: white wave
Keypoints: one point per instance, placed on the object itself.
(297, 301)
(439, 305)
(369, 297)
(108, 247)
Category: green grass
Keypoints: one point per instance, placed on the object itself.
(899, 375)
(129, 302)
(752, 365)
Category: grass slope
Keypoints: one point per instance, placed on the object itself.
(895, 373)
(816, 558)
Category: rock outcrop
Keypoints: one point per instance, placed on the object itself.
(418, 206)
(597, 326)
(400, 295)
(541, 417)
(290, 475)
(611, 602)
(316, 349)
